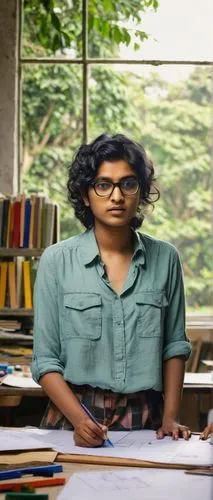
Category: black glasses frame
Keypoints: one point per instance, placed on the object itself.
(114, 184)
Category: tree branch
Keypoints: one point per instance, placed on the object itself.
(45, 119)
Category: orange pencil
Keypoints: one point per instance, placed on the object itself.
(38, 483)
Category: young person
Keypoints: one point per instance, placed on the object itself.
(109, 305)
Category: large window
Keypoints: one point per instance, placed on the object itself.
(143, 68)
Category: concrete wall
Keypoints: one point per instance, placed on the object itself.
(9, 52)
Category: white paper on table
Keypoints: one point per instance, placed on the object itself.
(141, 445)
(16, 381)
(134, 484)
(11, 440)
(198, 378)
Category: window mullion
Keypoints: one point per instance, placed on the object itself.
(85, 68)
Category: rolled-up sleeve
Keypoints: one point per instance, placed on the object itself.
(46, 348)
(175, 339)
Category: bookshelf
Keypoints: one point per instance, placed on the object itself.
(28, 224)
(8, 253)
(20, 252)
(20, 312)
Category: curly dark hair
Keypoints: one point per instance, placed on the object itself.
(89, 157)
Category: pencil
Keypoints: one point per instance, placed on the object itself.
(38, 483)
(96, 422)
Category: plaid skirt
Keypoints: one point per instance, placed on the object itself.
(139, 410)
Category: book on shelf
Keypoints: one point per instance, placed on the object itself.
(22, 214)
(32, 221)
(3, 283)
(40, 219)
(19, 281)
(27, 212)
(1, 218)
(10, 325)
(50, 217)
(12, 285)
(5, 216)
(27, 285)
(28, 221)
(17, 278)
(12, 330)
(56, 231)
(10, 222)
(16, 351)
(16, 230)
(35, 222)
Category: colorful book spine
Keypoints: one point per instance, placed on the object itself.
(27, 223)
(19, 281)
(16, 231)
(27, 285)
(6, 204)
(3, 283)
(1, 219)
(32, 243)
(22, 214)
(56, 232)
(9, 219)
(49, 216)
(39, 227)
(11, 227)
(12, 285)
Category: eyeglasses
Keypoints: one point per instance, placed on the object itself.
(128, 186)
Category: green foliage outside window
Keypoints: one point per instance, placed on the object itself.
(172, 120)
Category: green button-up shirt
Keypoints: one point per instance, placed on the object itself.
(91, 335)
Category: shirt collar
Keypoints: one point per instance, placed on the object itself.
(89, 247)
(139, 249)
(90, 250)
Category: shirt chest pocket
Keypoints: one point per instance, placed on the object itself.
(82, 315)
(150, 313)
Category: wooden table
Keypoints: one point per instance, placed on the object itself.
(11, 397)
(197, 399)
(68, 470)
(20, 392)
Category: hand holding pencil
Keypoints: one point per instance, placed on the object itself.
(97, 423)
(88, 432)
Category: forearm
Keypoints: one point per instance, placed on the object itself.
(60, 393)
(173, 375)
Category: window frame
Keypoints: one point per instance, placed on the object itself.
(85, 62)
